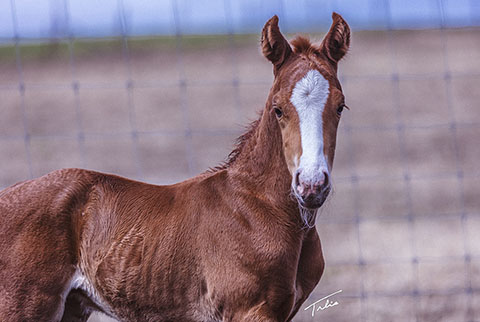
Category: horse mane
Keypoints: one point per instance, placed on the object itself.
(302, 45)
(238, 147)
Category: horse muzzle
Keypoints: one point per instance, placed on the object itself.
(311, 193)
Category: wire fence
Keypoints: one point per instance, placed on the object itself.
(400, 235)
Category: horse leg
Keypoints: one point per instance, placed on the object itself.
(25, 299)
(275, 311)
(310, 269)
(78, 307)
(36, 268)
(255, 315)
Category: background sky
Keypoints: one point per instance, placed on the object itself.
(94, 18)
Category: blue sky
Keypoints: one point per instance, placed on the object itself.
(97, 18)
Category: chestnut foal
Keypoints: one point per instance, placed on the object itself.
(237, 243)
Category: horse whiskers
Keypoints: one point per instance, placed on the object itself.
(308, 216)
(292, 194)
(303, 211)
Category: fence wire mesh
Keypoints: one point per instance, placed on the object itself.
(401, 232)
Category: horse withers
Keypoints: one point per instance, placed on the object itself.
(236, 243)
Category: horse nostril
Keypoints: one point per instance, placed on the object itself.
(298, 185)
(297, 178)
(325, 180)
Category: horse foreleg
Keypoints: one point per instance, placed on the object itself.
(260, 313)
(37, 301)
(78, 307)
(310, 269)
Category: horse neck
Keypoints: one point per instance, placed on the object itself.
(261, 164)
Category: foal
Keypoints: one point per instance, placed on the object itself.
(237, 243)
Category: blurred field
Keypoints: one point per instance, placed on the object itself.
(401, 232)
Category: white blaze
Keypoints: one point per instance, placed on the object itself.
(309, 98)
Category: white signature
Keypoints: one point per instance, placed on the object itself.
(326, 305)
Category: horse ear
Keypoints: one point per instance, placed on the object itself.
(337, 41)
(274, 46)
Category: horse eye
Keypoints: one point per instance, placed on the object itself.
(340, 109)
(278, 112)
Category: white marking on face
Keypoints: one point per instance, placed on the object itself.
(309, 97)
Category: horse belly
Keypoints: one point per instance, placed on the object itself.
(137, 282)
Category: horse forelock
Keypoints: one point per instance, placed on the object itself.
(302, 45)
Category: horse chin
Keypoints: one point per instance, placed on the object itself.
(313, 203)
